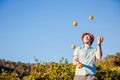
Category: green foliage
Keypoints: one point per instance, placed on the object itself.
(52, 71)
(107, 69)
(8, 76)
(108, 74)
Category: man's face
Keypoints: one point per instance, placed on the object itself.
(86, 39)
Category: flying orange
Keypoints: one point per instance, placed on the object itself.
(91, 17)
(73, 47)
(75, 23)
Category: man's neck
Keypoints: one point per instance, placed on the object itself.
(87, 45)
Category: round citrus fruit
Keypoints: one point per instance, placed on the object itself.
(75, 23)
(100, 38)
(73, 47)
(91, 17)
(80, 65)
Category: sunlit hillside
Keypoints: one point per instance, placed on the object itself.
(107, 69)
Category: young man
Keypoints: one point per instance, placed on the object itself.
(84, 57)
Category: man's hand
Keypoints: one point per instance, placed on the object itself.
(100, 40)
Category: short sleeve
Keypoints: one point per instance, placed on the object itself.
(76, 51)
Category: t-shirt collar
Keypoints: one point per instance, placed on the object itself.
(87, 47)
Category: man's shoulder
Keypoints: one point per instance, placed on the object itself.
(78, 47)
(93, 49)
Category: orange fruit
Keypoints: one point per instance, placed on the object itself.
(75, 23)
(73, 47)
(36, 65)
(100, 38)
(45, 63)
(91, 17)
(80, 65)
(54, 71)
(51, 66)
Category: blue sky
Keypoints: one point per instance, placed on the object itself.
(43, 28)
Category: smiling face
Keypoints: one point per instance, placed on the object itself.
(87, 39)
